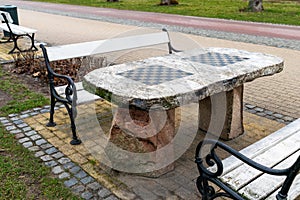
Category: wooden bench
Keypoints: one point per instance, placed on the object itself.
(267, 169)
(16, 32)
(87, 49)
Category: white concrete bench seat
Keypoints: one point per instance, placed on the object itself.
(106, 46)
(69, 95)
(83, 95)
(16, 32)
(17, 29)
(280, 150)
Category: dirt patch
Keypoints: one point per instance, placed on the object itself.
(30, 70)
(32, 83)
(4, 98)
(76, 68)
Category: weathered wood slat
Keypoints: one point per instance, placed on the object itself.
(278, 150)
(267, 184)
(244, 174)
(262, 145)
(294, 190)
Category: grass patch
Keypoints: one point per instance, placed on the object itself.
(276, 11)
(21, 97)
(23, 176)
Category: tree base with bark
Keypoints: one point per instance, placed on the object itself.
(255, 5)
(168, 2)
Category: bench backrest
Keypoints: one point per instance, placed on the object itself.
(5, 17)
(98, 47)
(106, 46)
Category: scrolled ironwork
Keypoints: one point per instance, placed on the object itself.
(213, 161)
(204, 161)
(210, 159)
(69, 101)
(204, 188)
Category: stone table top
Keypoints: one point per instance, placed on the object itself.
(179, 78)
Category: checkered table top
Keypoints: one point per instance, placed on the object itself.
(154, 74)
(164, 79)
(216, 59)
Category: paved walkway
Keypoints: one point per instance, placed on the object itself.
(261, 29)
(279, 94)
(276, 97)
(81, 169)
(258, 33)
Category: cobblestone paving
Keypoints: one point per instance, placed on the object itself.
(74, 176)
(268, 114)
(76, 166)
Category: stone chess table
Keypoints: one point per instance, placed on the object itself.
(212, 77)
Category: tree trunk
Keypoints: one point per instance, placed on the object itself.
(168, 2)
(255, 5)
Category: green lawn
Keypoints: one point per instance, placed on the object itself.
(22, 98)
(276, 11)
(22, 175)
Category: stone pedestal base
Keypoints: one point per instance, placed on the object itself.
(223, 114)
(143, 131)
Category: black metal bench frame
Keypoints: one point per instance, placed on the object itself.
(69, 101)
(211, 159)
(14, 38)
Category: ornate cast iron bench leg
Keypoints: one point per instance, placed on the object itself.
(209, 158)
(14, 38)
(69, 101)
(16, 47)
(71, 111)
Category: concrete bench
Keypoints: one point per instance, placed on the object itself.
(88, 49)
(16, 32)
(83, 96)
(241, 177)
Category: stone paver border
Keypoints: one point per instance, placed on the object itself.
(74, 177)
(268, 114)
